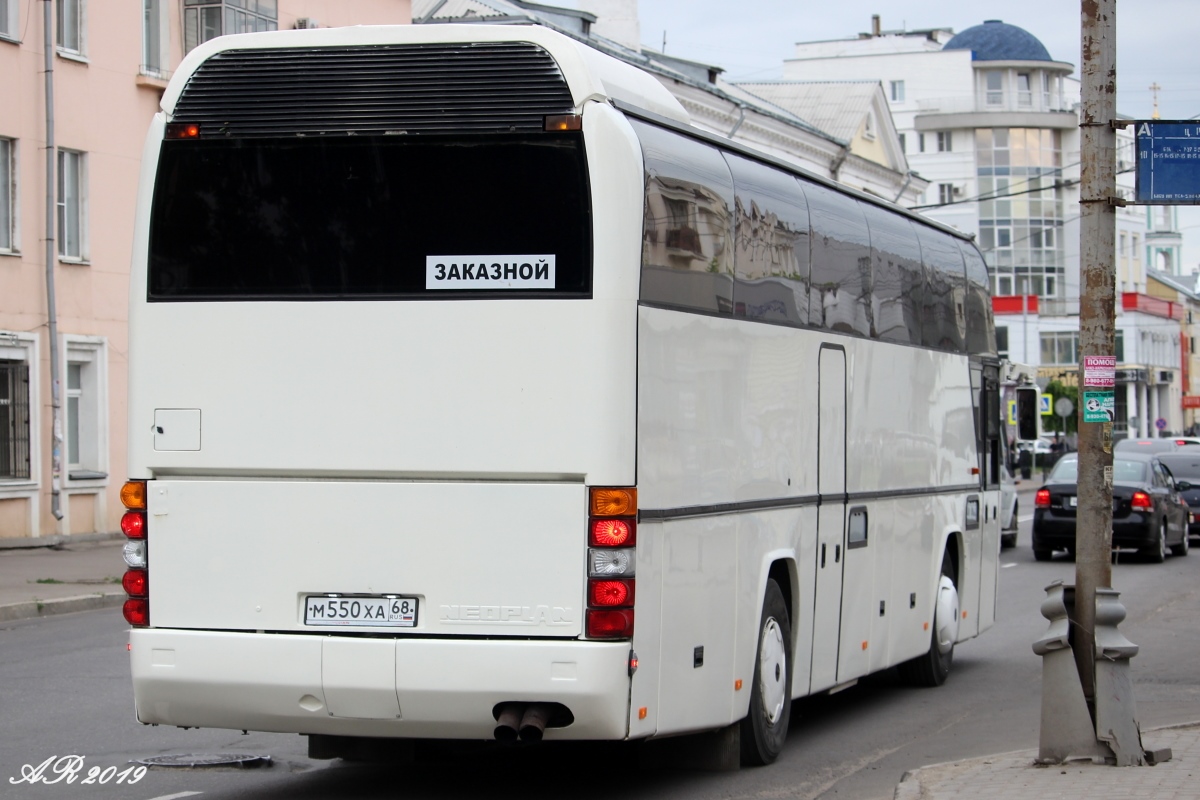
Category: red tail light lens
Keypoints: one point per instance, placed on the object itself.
(610, 593)
(1142, 501)
(1042, 499)
(609, 623)
(613, 532)
(133, 524)
(135, 583)
(137, 612)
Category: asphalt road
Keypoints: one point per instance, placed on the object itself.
(66, 691)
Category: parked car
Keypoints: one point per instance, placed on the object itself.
(1184, 464)
(1164, 445)
(1009, 506)
(1148, 512)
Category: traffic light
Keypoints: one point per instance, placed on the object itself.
(1027, 412)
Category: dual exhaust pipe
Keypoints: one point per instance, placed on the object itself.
(524, 720)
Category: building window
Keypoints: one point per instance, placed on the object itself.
(944, 141)
(1060, 348)
(945, 193)
(1047, 97)
(897, 91)
(86, 409)
(8, 19)
(8, 195)
(1002, 341)
(1024, 90)
(903, 143)
(920, 143)
(869, 127)
(71, 18)
(15, 409)
(155, 36)
(994, 83)
(208, 19)
(72, 205)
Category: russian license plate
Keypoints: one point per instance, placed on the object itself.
(391, 611)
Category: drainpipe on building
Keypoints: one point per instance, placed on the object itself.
(56, 437)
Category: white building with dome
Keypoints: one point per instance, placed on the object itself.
(991, 120)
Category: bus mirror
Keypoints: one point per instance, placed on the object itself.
(1027, 412)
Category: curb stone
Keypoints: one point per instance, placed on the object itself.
(30, 609)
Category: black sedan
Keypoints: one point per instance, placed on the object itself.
(1148, 512)
(1185, 466)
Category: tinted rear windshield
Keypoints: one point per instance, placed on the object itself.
(371, 217)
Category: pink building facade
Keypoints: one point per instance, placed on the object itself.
(110, 63)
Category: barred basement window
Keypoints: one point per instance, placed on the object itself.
(14, 420)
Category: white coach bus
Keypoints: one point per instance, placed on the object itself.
(476, 394)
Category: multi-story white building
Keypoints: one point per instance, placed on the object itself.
(991, 120)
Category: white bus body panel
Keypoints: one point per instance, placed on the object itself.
(482, 559)
(727, 415)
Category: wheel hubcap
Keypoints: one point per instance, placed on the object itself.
(772, 660)
(945, 615)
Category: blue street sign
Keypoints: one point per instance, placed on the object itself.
(1168, 162)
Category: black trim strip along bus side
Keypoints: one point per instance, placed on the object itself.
(718, 509)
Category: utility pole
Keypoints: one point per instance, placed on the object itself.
(1097, 324)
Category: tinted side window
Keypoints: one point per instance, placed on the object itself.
(687, 249)
(944, 325)
(771, 258)
(981, 330)
(898, 292)
(841, 262)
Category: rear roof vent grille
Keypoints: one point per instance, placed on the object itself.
(493, 87)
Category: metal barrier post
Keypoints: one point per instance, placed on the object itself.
(1067, 731)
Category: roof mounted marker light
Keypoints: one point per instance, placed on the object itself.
(182, 130)
(563, 122)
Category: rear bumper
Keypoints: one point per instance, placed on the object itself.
(1051, 532)
(351, 686)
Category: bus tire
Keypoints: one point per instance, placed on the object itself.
(764, 730)
(932, 668)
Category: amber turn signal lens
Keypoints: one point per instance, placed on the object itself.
(133, 494)
(563, 122)
(614, 502)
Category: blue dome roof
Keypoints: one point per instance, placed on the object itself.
(997, 41)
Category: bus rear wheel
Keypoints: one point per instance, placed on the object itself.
(764, 729)
(932, 668)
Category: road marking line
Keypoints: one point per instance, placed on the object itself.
(1008, 564)
(176, 796)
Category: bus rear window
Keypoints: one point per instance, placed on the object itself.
(371, 218)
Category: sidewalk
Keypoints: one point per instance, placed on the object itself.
(1015, 776)
(76, 576)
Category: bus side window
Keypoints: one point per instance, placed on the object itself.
(898, 288)
(946, 289)
(687, 248)
(771, 244)
(841, 262)
(981, 329)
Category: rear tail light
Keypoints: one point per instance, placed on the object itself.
(1042, 499)
(610, 594)
(611, 562)
(133, 524)
(1141, 501)
(137, 612)
(609, 624)
(136, 581)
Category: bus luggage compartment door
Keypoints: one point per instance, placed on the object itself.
(479, 559)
